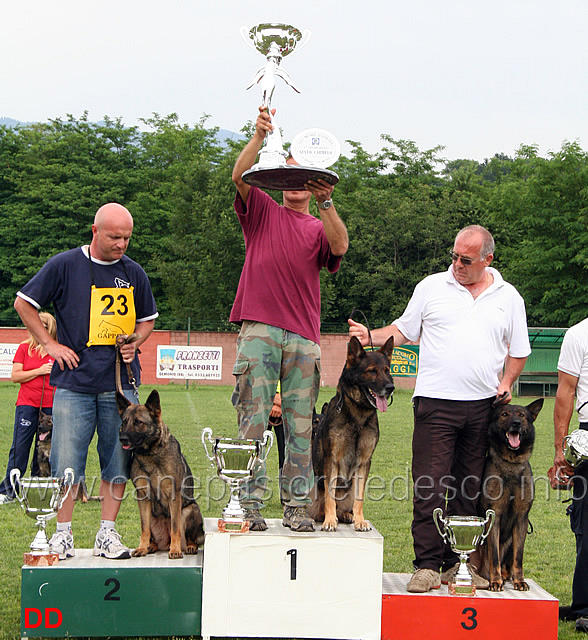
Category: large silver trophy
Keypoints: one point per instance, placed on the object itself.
(463, 534)
(41, 498)
(575, 447)
(236, 461)
(275, 41)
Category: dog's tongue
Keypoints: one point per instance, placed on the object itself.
(43, 435)
(382, 403)
(514, 440)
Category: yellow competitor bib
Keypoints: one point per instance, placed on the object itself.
(112, 312)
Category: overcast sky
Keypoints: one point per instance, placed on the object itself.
(477, 77)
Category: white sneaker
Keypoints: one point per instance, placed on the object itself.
(4, 499)
(62, 543)
(108, 545)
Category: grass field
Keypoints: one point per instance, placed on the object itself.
(549, 552)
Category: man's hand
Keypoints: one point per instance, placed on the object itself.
(359, 331)
(320, 189)
(263, 124)
(64, 356)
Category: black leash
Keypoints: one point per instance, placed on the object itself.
(367, 324)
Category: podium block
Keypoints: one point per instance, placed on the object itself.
(277, 583)
(485, 616)
(88, 596)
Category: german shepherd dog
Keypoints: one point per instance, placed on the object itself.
(170, 516)
(43, 444)
(507, 488)
(346, 434)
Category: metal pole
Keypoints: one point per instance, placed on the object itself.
(188, 379)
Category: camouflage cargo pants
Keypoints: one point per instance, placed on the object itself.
(266, 354)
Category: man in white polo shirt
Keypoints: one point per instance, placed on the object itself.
(474, 343)
(572, 393)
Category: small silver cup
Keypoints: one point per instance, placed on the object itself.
(235, 460)
(575, 447)
(463, 534)
(41, 498)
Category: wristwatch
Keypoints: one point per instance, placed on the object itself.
(326, 204)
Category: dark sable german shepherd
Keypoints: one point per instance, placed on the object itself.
(507, 488)
(170, 516)
(346, 434)
(43, 445)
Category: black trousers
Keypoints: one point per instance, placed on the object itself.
(449, 447)
(579, 523)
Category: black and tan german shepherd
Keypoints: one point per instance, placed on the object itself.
(170, 516)
(507, 488)
(43, 444)
(346, 434)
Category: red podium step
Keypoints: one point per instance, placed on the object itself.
(437, 614)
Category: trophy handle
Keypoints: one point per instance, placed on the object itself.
(15, 482)
(437, 518)
(267, 436)
(490, 515)
(68, 480)
(207, 433)
(565, 442)
(304, 39)
(245, 35)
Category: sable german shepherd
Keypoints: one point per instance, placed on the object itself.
(346, 434)
(170, 516)
(43, 445)
(507, 487)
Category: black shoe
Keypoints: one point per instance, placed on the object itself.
(582, 625)
(566, 613)
(297, 519)
(256, 521)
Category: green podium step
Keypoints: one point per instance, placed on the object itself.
(88, 596)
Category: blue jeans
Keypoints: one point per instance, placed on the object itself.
(26, 420)
(76, 417)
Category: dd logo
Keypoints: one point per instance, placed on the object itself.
(34, 618)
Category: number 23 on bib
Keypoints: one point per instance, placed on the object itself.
(112, 312)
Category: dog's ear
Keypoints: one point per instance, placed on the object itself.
(153, 403)
(121, 402)
(354, 351)
(388, 348)
(535, 407)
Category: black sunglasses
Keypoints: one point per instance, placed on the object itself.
(465, 261)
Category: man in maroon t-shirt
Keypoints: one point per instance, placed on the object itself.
(278, 307)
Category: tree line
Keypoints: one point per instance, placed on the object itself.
(402, 207)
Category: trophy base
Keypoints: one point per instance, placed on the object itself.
(233, 526)
(461, 589)
(286, 177)
(32, 559)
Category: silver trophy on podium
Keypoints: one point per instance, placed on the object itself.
(235, 460)
(275, 41)
(41, 498)
(463, 534)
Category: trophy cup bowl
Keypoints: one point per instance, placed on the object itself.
(235, 461)
(41, 498)
(274, 41)
(575, 447)
(275, 38)
(463, 534)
